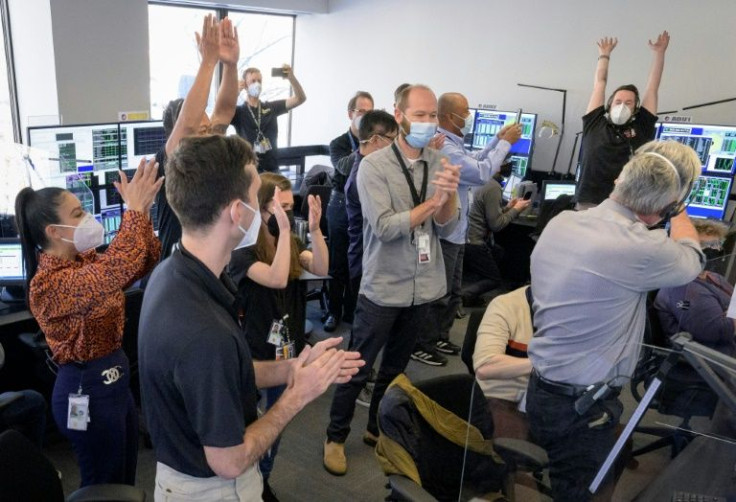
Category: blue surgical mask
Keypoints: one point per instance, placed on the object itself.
(465, 129)
(254, 89)
(250, 236)
(420, 133)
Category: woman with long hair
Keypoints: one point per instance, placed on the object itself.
(77, 296)
(273, 299)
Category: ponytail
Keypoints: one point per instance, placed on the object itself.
(34, 210)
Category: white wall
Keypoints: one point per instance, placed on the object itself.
(483, 48)
(101, 49)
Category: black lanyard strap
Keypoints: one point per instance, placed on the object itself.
(418, 198)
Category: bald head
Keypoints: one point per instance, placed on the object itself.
(452, 108)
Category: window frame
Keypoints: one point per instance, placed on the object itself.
(10, 64)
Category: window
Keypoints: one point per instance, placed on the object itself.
(266, 41)
(7, 102)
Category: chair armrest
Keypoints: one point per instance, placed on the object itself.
(111, 492)
(406, 489)
(8, 397)
(527, 456)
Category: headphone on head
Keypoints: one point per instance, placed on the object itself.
(676, 207)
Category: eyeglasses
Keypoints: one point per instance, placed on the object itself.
(386, 138)
(360, 111)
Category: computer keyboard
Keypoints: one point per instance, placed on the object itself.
(695, 497)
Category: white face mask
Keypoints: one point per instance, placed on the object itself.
(356, 122)
(254, 89)
(250, 236)
(87, 235)
(620, 114)
(467, 123)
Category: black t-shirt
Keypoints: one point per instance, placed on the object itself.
(261, 306)
(606, 148)
(246, 122)
(196, 373)
(169, 228)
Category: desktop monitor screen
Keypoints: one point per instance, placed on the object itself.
(551, 189)
(11, 263)
(139, 140)
(714, 144)
(75, 147)
(710, 197)
(489, 122)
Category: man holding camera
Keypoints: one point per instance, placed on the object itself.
(256, 121)
(591, 271)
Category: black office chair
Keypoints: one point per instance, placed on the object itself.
(27, 475)
(428, 425)
(471, 334)
(683, 393)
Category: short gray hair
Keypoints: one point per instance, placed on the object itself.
(648, 183)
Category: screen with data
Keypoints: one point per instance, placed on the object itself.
(714, 144)
(487, 124)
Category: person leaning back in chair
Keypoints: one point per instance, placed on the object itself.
(612, 132)
(591, 271)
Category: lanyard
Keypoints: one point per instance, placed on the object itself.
(257, 121)
(417, 198)
(353, 146)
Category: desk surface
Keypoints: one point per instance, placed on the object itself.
(706, 466)
(13, 316)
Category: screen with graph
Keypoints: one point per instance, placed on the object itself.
(487, 124)
(714, 144)
(710, 197)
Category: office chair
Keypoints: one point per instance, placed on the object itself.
(6, 398)
(26, 474)
(321, 293)
(471, 334)
(422, 442)
(683, 394)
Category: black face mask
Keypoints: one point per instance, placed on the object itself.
(273, 225)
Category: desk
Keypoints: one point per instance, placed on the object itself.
(705, 466)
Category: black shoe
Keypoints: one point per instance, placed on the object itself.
(430, 358)
(331, 324)
(268, 495)
(447, 347)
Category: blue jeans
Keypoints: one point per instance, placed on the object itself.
(393, 329)
(342, 297)
(107, 451)
(272, 394)
(576, 444)
(27, 415)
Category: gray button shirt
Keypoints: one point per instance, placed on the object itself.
(590, 272)
(392, 274)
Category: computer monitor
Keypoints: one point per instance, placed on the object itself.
(11, 263)
(714, 144)
(487, 124)
(509, 188)
(468, 139)
(73, 146)
(710, 197)
(140, 139)
(551, 189)
(110, 219)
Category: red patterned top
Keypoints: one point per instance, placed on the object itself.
(80, 304)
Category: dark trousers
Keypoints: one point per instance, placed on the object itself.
(342, 295)
(576, 444)
(480, 262)
(446, 307)
(271, 394)
(393, 329)
(107, 451)
(27, 415)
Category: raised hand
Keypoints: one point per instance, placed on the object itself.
(510, 133)
(660, 45)
(209, 41)
(229, 45)
(606, 45)
(138, 193)
(280, 214)
(288, 71)
(315, 212)
(437, 141)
